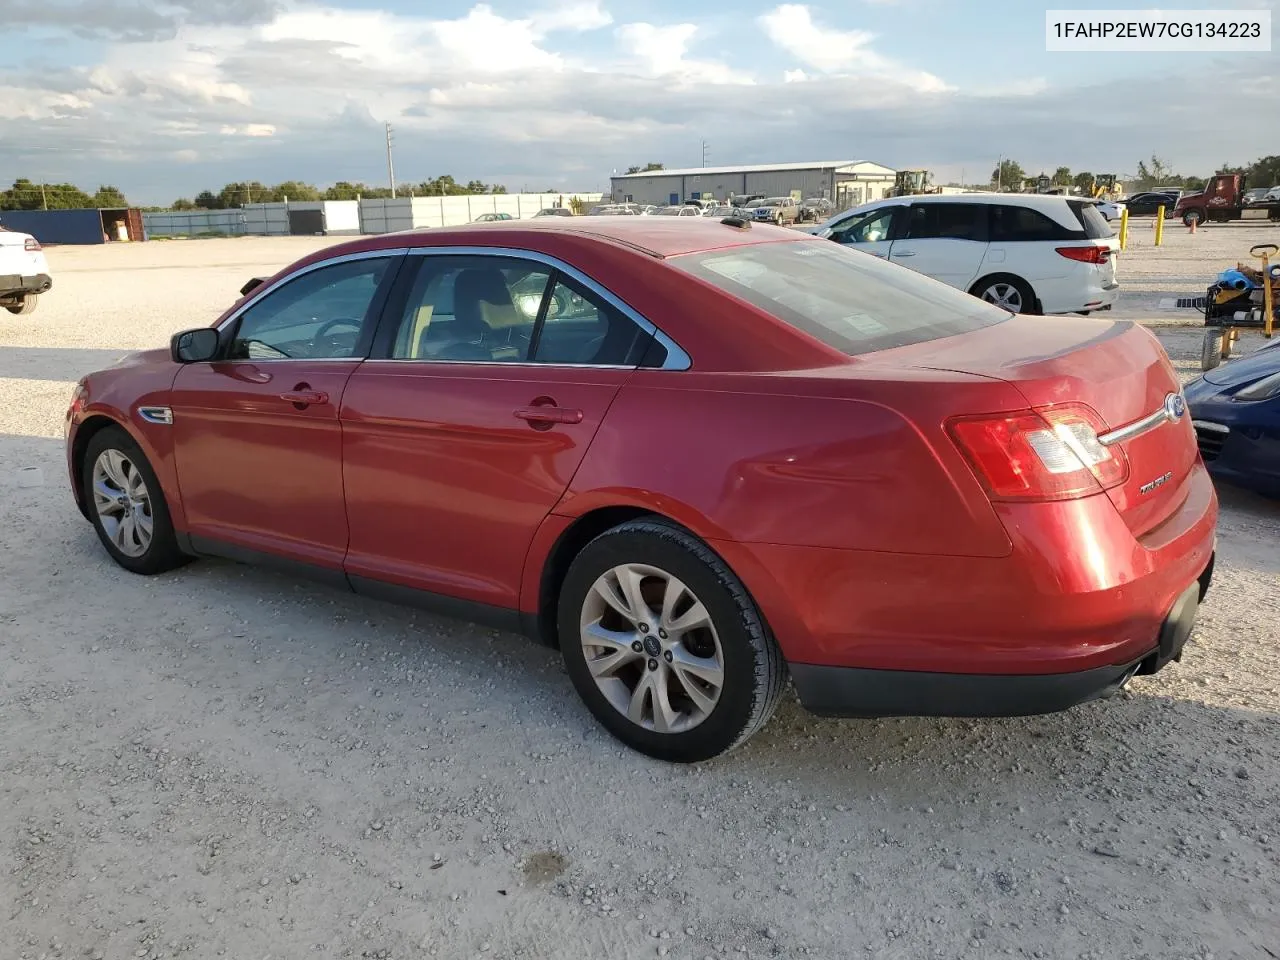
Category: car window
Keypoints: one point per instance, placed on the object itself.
(477, 309)
(323, 314)
(579, 328)
(487, 309)
(1022, 224)
(844, 298)
(871, 227)
(947, 221)
(1091, 219)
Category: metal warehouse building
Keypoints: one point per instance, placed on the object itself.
(846, 183)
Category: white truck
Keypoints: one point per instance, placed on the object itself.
(24, 272)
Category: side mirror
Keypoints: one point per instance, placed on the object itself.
(194, 346)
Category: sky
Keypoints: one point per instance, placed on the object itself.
(167, 97)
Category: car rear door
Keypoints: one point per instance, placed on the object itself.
(489, 379)
(946, 241)
(256, 437)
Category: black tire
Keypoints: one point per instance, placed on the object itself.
(753, 669)
(162, 554)
(1192, 216)
(1030, 305)
(1211, 348)
(25, 306)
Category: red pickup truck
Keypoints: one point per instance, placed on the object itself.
(1223, 199)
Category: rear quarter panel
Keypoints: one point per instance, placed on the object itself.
(819, 461)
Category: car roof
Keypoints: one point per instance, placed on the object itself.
(656, 236)
(1032, 200)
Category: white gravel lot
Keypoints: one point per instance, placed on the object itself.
(222, 762)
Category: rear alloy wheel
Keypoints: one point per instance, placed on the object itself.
(1008, 293)
(664, 645)
(126, 505)
(24, 306)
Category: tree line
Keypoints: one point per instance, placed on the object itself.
(1265, 171)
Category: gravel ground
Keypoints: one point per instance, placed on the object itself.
(223, 762)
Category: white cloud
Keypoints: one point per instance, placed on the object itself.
(791, 26)
(661, 51)
(248, 130)
(537, 99)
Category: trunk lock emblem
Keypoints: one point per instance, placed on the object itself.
(1174, 407)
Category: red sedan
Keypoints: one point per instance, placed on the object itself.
(697, 457)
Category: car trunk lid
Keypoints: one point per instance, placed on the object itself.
(1116, 368)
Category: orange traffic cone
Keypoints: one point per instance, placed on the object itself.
(1192, 225)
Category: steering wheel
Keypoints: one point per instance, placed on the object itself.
(339, 322)
(1264, 249)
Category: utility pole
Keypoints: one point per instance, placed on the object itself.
(391, 170)
(704, 153)
(44, 201)
(999, 171)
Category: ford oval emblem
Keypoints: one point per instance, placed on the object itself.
(1174, 407)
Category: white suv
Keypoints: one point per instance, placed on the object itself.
(1028, 253)
(24, 272)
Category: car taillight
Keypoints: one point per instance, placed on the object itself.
(1051, 453)
(1086, 254)
(32, 245)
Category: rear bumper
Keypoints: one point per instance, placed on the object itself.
(1079, 591)
(857, 692)
(16, 283)
(1076, 294)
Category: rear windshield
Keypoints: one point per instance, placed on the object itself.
(1091, 218)
(847, 299)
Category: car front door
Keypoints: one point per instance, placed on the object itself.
(488, 381)
(256, 437)
(870, 231)
(946, 241)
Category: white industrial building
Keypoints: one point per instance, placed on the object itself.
(846, 183)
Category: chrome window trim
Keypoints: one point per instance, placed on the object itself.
(677, 359)
(265, 291)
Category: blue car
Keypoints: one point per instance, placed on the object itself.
(1235, 409)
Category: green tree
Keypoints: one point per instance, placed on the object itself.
(294, 190)
(1008, 175)
(646, 168)
(1062, 177)
(109, 197)
(182, 203)
(1083, 181)
(1157, 174)
(208, 200)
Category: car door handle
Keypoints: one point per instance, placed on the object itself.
(304, 396)
(903, 253)
(548, 414)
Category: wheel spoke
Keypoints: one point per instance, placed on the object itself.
(695, 691)
(145, 526)
(616, 648)
(629, 579)
(664, 715)
(609, 592)
(640, 697)
(105, 498)
(705, 669)
(693, 618)
(113, 463)
(137, 484)
(123, 535)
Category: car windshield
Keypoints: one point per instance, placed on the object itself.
(847, 299)
(775, 201)
(756, 203)
(670, 211)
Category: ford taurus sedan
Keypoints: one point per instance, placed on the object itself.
(697, 458)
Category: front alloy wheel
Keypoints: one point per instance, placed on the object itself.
(651, 648)
(123, 503)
